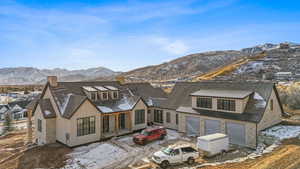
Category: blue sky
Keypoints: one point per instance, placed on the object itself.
(123, 35)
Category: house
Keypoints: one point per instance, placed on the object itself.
(3, 110)
(239, 109)
(17, 109)
(76, 113)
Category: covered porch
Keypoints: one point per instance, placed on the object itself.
(117, 123)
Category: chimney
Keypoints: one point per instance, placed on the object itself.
(52, 80)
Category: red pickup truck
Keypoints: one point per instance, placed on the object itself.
(150, 134)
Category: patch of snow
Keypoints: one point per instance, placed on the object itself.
(262, 103)
(125, 106)
(47, 112)
(63, 105)
(283, 132)
(95, 156)
(105, 109)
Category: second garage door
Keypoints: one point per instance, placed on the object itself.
(212, 126)
(192, 126)
(236, 133)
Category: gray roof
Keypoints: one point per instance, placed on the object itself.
(70, 95)
(124, 104)
(238, 94)
(46, 108)
(180, 98)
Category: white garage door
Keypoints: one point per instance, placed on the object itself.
(212, 126)
(236, 133)
(193, 126)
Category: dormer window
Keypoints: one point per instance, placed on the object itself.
(204, 102)
(104, 95)
(93, 96)
(115, 95)
(90, 92)
(226, 104)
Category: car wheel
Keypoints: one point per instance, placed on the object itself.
(145, 142)
(165, 164)
(191, 161)
(162, 137)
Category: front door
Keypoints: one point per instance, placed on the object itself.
(105, 123)
(122, 121)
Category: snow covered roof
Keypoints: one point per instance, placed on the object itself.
(89, 88)
(101, 88)
(46, 108)
(111, 87)
(124, 104)
(239, 94)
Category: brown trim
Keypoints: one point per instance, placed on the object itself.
(278, 98)
(42, 95)
(216, 117)
(222, 97)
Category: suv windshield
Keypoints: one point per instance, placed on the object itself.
(167, 151)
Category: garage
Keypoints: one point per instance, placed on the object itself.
(212, 127)
(193, 126)
(236, 133)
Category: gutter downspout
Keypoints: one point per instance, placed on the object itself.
(256, 135)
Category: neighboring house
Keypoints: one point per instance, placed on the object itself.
(239, 109)
(76, 113)
(17, 109)
(3, 111)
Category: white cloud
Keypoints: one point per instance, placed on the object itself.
(174, 47)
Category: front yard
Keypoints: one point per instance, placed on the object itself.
(123, 153)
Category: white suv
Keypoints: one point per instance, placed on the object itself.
(175, 155)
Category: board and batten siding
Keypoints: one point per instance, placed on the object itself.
(40, 136)
(172, 124)
(140, 105)
(271, 118)
(85, 110)
(63, 125)
(250, 128)
(240, 104)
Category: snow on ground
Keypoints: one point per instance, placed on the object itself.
(280, 132)
(283, 132)
(95, 156)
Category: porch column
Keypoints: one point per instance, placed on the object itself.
(130, 120)
(117, 123)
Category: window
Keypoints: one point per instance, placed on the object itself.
(105, 96)
(105, 124)
(175, 152)
(114, 95)
(271, 105)
(176, 119)
(225, 104)
(140, 116)
(158, 116)
(204, 102)
(39, 125)
(85, 126)
(168, 117)
(188, 150)
(93, 96)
